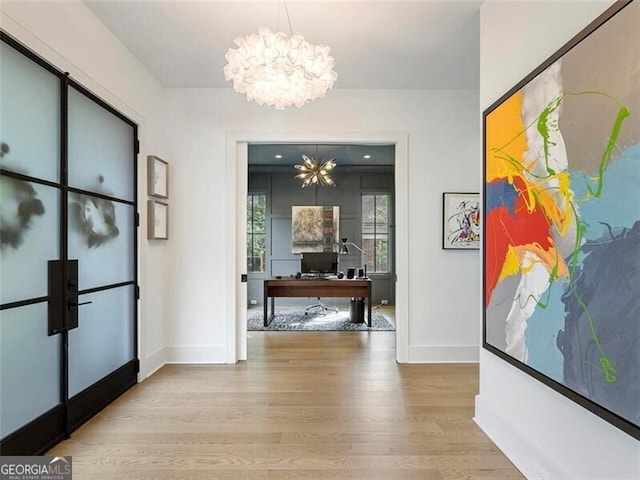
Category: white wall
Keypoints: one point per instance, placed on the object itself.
(443, 136)
(543, 433)
(69, 36)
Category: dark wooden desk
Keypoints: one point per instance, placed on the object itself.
(315, 287)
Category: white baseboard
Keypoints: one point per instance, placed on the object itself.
(167, 355)
(528, 457)
(152, 363)
(443, 353)
(197, 354)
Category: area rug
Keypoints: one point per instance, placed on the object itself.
(298, 321)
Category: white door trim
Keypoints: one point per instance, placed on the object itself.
(236, 186)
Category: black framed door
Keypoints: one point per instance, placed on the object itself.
(68, 237)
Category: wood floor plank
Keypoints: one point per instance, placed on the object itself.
(321, 405)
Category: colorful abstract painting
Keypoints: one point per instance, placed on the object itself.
(561, 221)
(461, 220)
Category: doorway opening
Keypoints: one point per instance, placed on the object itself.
(238, 164)
(347, 219)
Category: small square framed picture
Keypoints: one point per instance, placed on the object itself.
(157, 220)
(157, 177)
(460, 221)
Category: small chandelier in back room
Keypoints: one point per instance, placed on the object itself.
(279, 69)
(316, 172)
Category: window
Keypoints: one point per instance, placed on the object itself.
(375, 232)
(256, 232)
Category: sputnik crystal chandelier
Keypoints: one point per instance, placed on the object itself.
(316, 172)
(279, 69)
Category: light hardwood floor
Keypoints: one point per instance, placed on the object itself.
(314, 405)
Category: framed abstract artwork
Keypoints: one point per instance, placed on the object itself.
(157, 177)
(314, 228)
(561, 221)
(460, 221)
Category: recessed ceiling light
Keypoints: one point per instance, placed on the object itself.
(278, 156)
(367, 156)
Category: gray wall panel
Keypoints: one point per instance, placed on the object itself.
(260, 182)
(281, 238)
(286, 191)
(284, 267)
(376, 181)
(255, 289)
(346, 195)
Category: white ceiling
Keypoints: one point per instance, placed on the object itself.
(376, 44)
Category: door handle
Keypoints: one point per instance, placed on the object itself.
(63, 299)
(72, 294)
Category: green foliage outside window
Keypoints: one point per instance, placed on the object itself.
(375, 232)
(256, 232)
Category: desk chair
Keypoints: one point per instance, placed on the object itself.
(321, 307)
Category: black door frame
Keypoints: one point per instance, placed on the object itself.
(51, 427)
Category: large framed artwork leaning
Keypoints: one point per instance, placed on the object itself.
(561, 220)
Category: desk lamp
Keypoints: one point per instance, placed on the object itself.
(344, 250)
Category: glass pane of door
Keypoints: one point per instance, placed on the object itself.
(101, 234)
(104, 339)
(100, 149)
(29, 227)
(30, 116)
(29, 366)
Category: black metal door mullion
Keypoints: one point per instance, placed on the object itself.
(110, 198)
(136, 290)
(64, 242)
(136, 224)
